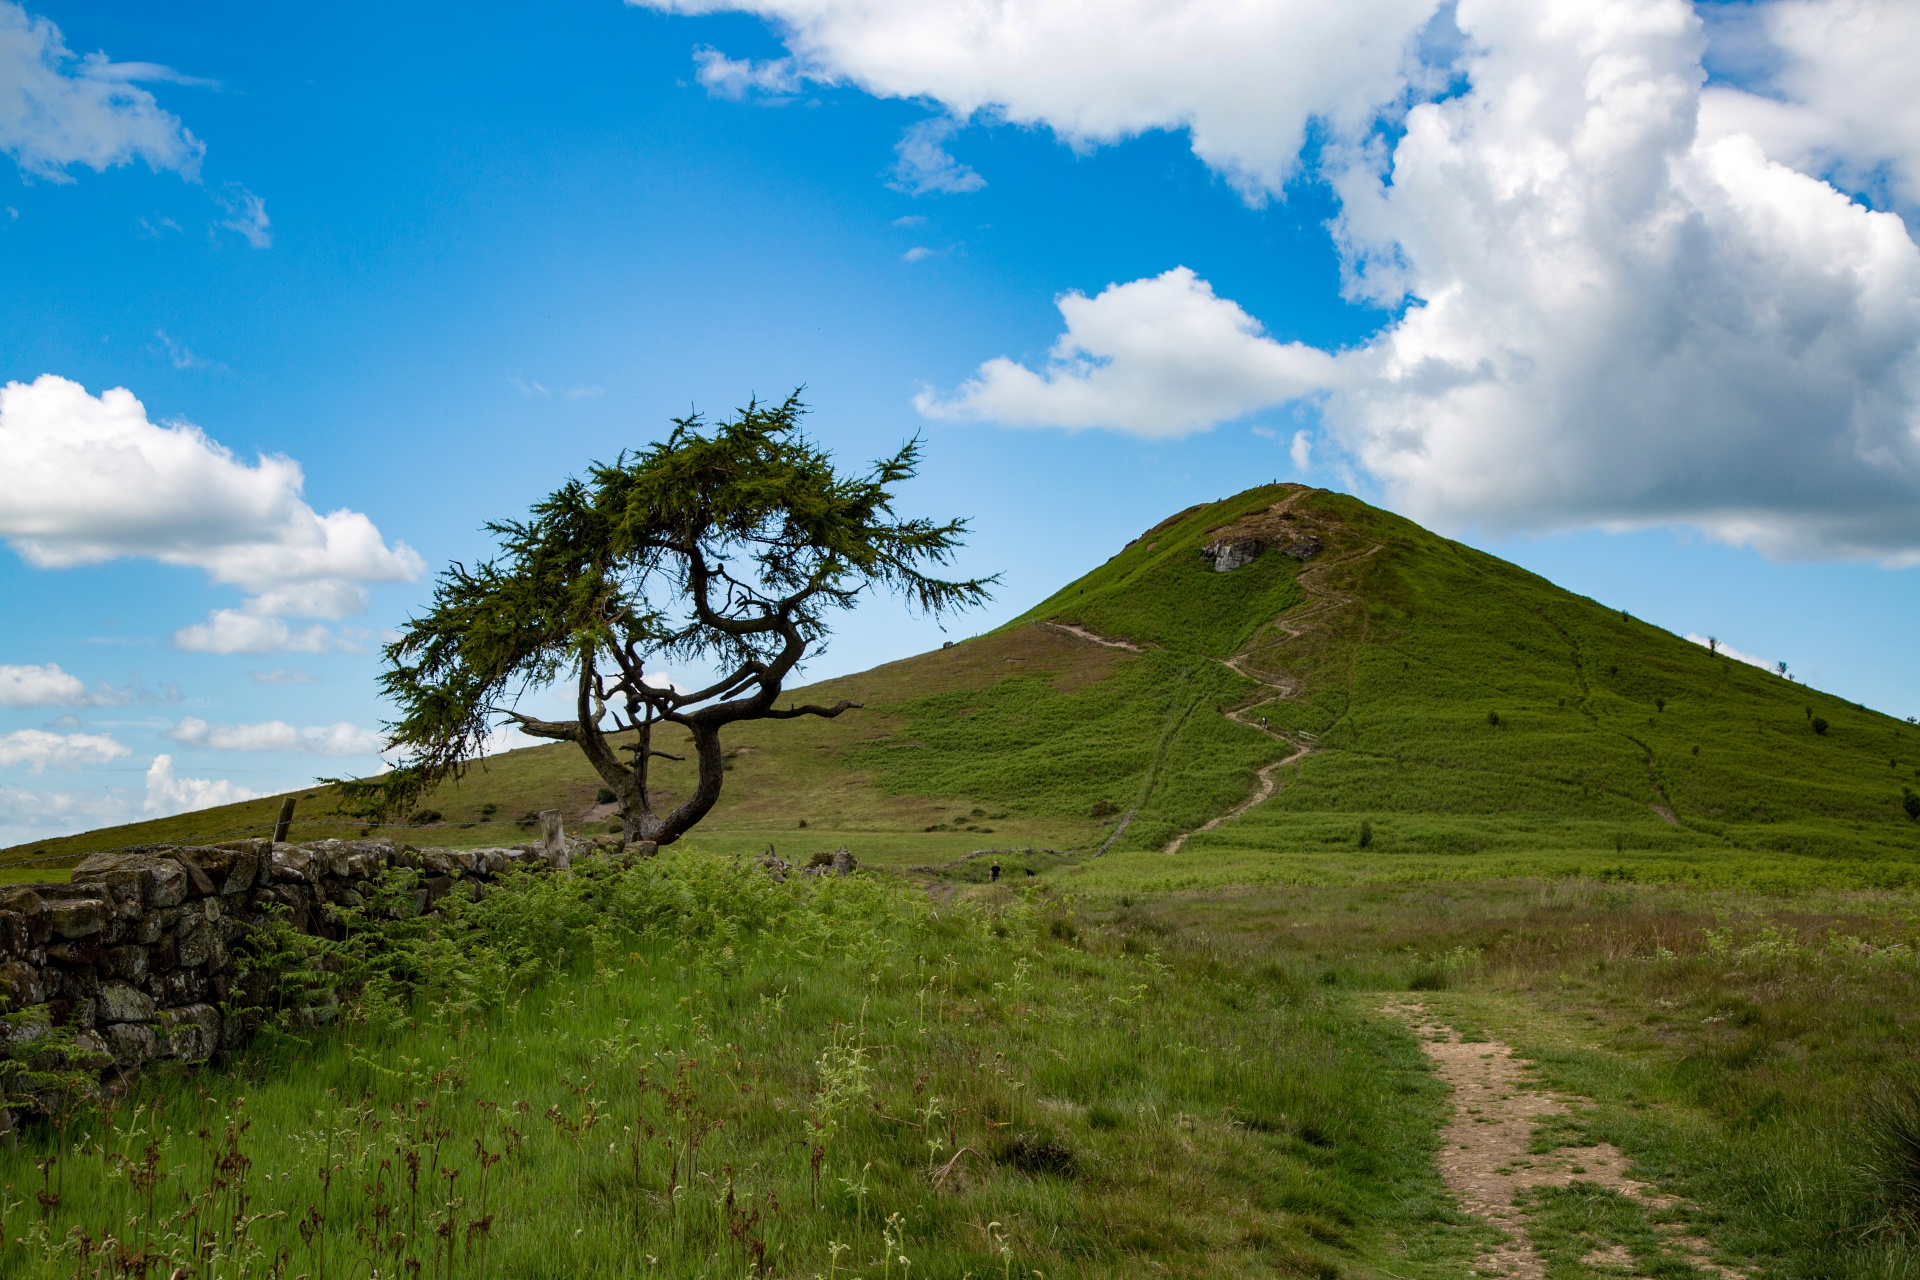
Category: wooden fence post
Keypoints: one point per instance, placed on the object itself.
(285, 824)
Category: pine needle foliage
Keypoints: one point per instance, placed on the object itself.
(726, 547)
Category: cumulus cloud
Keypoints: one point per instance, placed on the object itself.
(57, 110)
(1616, 319)
(41, 686)
(1158, 357)
(341, 739)
(1243, 79)
(27, 814)
(41, 750)
(1613, 307)
(1838, 98)
(91, 480)
(168, 794)
(49, 686)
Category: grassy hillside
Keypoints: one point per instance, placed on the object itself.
(1468, 717)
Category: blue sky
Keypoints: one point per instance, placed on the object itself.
(440, 258)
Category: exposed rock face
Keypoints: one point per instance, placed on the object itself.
(1231, 554)
(133, 958)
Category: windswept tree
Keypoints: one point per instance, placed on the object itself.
(722, 548)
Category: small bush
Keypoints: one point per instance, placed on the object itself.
(1911, 803)
(604, 796)
(1366, 834)
(1103, 809)
(1819, 725)
(424, 817)
(1659, 704)
(1493, 719)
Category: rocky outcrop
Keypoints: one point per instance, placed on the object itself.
(133, 959)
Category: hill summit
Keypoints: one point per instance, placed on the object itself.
(1286, 684)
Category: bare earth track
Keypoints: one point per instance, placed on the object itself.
(1486, 1161)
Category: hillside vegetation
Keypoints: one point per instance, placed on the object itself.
(1460, 718)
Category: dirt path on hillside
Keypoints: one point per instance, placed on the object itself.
(1485, 1160)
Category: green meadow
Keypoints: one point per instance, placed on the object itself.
(1687, 889)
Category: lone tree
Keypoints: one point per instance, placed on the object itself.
(725, 547)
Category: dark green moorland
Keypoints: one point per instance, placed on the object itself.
(1684, 888)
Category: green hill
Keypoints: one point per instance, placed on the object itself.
(1429, 712)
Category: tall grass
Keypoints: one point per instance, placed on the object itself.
(684, 1069)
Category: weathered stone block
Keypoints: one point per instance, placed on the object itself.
(14, 937)
(70, 983)
(22, 1028)
(20, 985)
(201, 882)
(77, 917)
(191, 1033)
(130, 1043)
(194, 944)
(129, 963)
(292, 864)
(182, 986)
(120, 1002)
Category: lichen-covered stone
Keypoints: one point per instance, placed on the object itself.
(130, 1043)
(20, 985)
(190, 1034)
(77, 917)
(121, 1002)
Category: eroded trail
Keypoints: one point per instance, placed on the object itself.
(1487, 1159)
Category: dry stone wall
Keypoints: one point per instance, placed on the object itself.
(133, 959)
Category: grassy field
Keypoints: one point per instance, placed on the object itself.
(684, 1069)
(1688, 889)
(1469, 714)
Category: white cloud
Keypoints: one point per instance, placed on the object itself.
(42, 750)
(57, 111)
(725, 77)
(41, 686)
(1612, 312)
(91, 479)
(1244, 79)
(283, 675)
(181, 356)
(35, 815)
(49, 686)
(1158, 357)
(168, 795)
(246, 214)
(341, 739)
(1840, 98)
(1615, 320)
(923, 167)
(1722, 647)
(236, 631)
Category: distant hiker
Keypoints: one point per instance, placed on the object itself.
(993, 872)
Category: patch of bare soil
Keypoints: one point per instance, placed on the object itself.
(1486, 1162)
(1094, 637)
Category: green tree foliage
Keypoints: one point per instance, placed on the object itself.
(725, 547)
